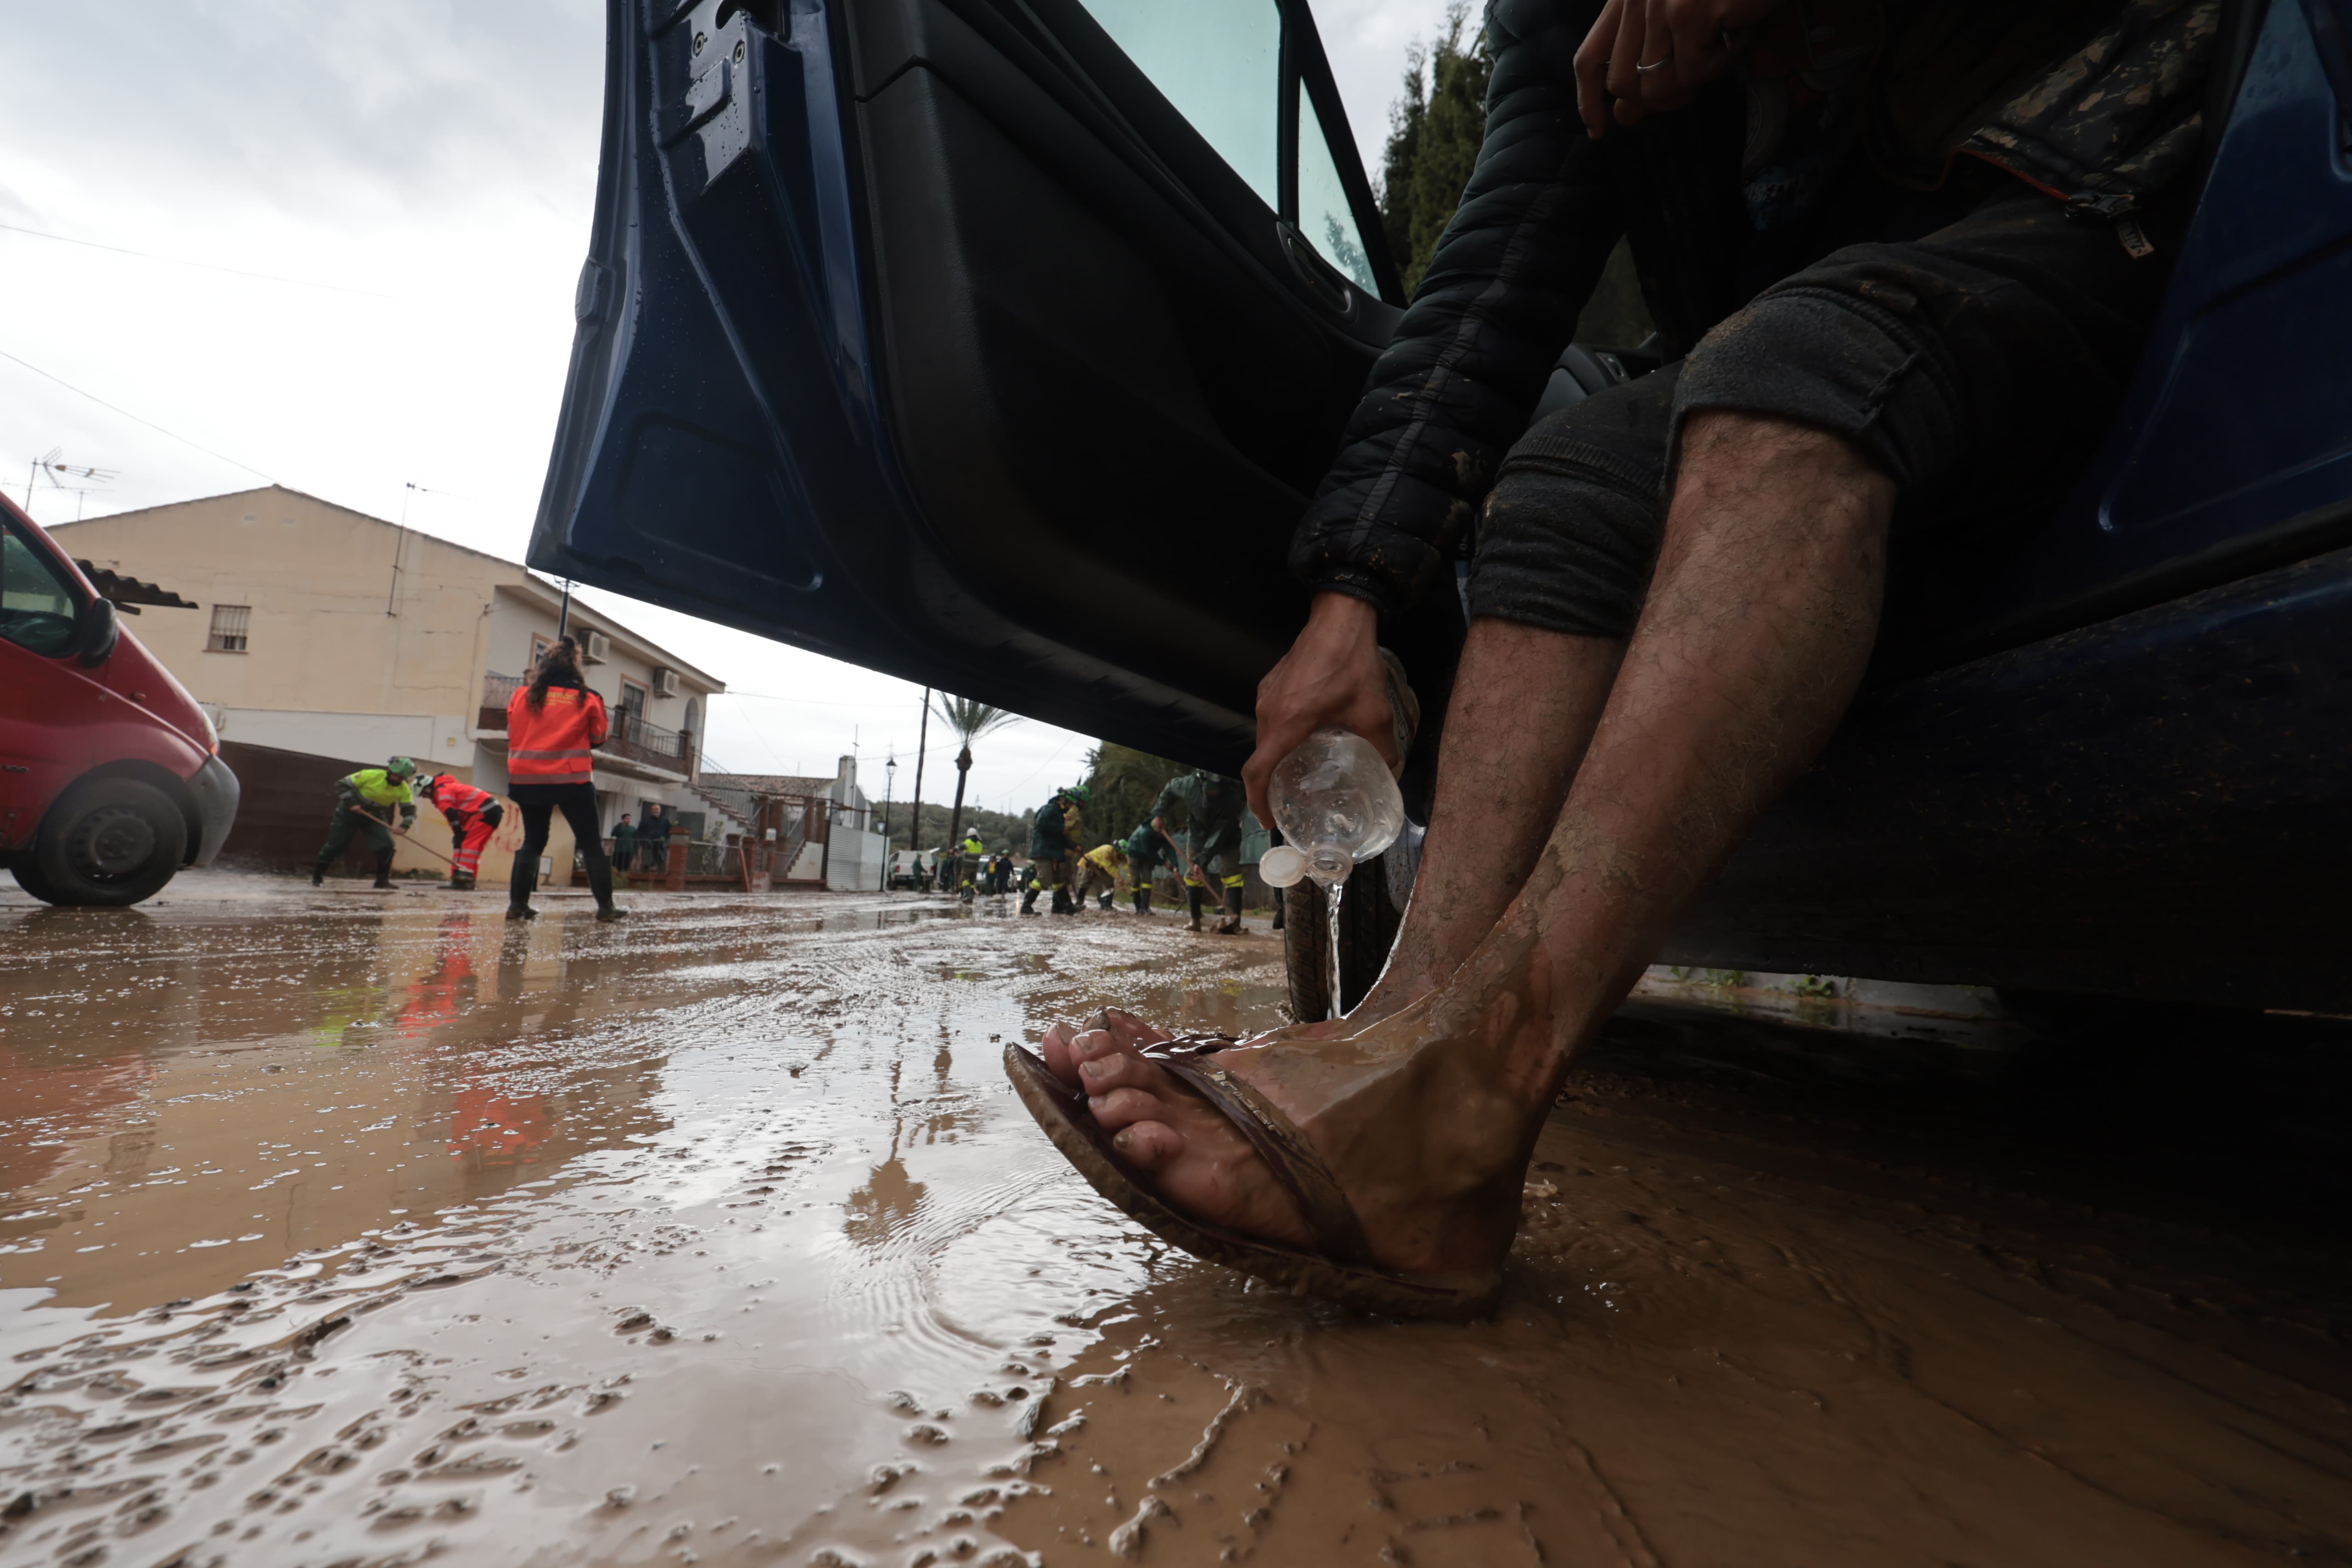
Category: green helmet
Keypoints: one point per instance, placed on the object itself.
(1078, 793)
(400, 767)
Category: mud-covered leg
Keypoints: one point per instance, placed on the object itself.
(1747, 653)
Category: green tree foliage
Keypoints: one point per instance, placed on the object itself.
(1435, 130)
(968, 721)
(1002, 833)
(1122, 784)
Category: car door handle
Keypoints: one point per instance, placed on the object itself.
(1323, 280)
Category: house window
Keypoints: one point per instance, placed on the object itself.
(228, 630)
(632, 708)
(538, 647)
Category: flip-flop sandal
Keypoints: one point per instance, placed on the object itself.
(1340, 1267)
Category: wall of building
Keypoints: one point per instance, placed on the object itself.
(349, 614)
(856, 866)
(440, 741)
(520, 614)
(366, 640)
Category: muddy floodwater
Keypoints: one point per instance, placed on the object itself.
(340, 1230)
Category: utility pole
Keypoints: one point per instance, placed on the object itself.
(915, 817)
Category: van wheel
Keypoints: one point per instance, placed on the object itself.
(1369, 919)
(107, 841)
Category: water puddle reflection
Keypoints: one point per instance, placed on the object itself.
(367, 1236)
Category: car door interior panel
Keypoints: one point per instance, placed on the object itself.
(927, 333)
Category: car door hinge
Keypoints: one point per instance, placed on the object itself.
(705, 96)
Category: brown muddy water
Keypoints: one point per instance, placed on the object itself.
(340, 1230)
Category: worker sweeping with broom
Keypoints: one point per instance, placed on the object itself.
(473, 815)
(364, 801)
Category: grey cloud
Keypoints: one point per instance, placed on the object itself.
(310, 104)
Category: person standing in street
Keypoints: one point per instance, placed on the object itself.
(969, 871)
(653, 839)
(552, 725)
(473, 814)
(1054, 839)
(1212, 805)
(1147, 849)
(364, 802)
(625, 843)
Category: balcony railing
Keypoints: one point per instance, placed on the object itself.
(645, 742)
(632, 736)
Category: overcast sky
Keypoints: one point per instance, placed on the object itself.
(437, 161)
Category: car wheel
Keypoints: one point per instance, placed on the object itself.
(1369, 919)
(110, 841)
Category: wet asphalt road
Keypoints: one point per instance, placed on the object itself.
(338, 1229)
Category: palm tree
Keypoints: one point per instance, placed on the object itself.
(970, 720)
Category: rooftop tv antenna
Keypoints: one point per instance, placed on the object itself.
(51, 462)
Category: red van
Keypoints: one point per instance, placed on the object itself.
(110, 778)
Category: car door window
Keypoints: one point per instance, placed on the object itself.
(38, 610)
(1325, 214)
(1219, 62)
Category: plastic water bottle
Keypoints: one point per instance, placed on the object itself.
(1336, 804)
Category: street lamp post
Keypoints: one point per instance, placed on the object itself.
(889, 778)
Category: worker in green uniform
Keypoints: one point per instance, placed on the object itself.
(969, 854)
(1054, 834)
(1212, 805)
(364, 804)
(1147, 851)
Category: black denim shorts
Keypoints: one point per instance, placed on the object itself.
(1977, 366)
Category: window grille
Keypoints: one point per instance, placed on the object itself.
(229, 624)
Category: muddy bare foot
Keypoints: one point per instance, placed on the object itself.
(1411, 1115)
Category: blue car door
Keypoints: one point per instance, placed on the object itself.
(994, 344)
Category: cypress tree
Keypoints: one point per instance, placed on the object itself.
(1434, 129)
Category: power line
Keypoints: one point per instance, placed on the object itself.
(1048, 763)
(151, 424)
(205, 266)
(814, 702)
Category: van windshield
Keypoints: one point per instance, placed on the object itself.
(36, 610)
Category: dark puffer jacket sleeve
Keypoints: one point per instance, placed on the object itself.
(1497, 304)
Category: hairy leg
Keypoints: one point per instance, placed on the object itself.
(1525, 704)
(1759, 624)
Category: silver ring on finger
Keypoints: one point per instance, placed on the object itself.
(1654, 65)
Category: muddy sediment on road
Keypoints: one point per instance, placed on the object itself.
(335, 1231)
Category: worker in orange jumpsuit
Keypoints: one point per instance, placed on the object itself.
(473, 815)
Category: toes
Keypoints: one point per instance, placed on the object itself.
(1148, 1145)
(1127, 1029)
(1097, 1044)
(1125, 1108)
(1053, 1047)
(1116, 1069)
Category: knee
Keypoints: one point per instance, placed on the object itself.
(1779, 473)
